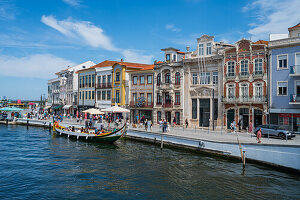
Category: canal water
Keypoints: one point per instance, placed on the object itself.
(35, 164)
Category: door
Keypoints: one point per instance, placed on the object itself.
(177, 115)
(204, 114)
(244, 118)
(168, 117)
(230, 117)
(257, 118)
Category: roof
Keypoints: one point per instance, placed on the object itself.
(261, 42)
(180, 52)
(291, 28)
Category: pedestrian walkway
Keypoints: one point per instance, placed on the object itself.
(220, 136)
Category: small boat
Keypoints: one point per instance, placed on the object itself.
(103, 137)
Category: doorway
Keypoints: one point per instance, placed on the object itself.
(204, 114)
(168, 116)
(230, 117)
(257, 117)
(177, 117)
(244, 118)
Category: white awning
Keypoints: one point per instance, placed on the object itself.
(47, 107)
(67, 106)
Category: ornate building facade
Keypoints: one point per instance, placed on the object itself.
(245, 84)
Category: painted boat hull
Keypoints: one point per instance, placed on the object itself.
(109, 137)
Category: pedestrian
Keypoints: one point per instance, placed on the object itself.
(174, 121)
(186, 123)
(258, 136)
(250, 127)
(165, 125)
(233, 126)
(146, 124)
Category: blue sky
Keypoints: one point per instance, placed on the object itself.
(38, 38)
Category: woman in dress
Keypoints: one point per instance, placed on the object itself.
(258, 135)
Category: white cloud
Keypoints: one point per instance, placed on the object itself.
(38, 65)
(81, 30)
(172, 27)
(72, 2)
(7, 10)
(272, 16)
(137, 56)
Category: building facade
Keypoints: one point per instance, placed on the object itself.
(245, 84)
(86, 89)
(285, 80)
(54, 94)
(168, 87)
(141, 93)
(203, 85)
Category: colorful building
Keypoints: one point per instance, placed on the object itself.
(285, 80)
(245, 84)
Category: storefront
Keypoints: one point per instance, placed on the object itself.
(289, 120)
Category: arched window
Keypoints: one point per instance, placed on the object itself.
(167, 78)
(177, 78)
(158, 79)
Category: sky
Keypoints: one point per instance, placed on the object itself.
(39, 38)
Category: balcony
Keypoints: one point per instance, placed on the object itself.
(230, 76)
(167, 104)
(229, 99)
(295, 99)
(244, 76)
(144, 104)
(295, 70)
(258, 75)
(103, 85)
(258, 99)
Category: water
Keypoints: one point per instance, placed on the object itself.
(35, 164)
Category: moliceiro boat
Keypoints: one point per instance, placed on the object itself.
(100, 136)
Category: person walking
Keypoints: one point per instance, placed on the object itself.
(250, 127)
(258, 136)
(174, 121)
(186, 123)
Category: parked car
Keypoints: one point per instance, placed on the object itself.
(275, 131)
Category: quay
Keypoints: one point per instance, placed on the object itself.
(278, 153)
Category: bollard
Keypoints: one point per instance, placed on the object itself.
(6, 121)
(27, 122)
(162, 143)
(50, 126)
(244, 159)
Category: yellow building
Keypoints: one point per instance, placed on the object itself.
(120, 81)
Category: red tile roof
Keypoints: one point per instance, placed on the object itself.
(298, 25)
(261, 42)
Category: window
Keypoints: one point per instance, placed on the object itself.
(158, 116)
(205, 78)
(282, 62)
(103, 95)
(135, 78)
(104, 79)
(158, 79)
(108, 94)
(117, 96)
(98, 95)
(177, 98)
(230, 91)
(208, 48)
(244, 92)
(83, 84)
(244, 67)
(117, 76)
(174, 58)
(90, 94)
(195, 78)
(167, 78)
(108, 78)
(149, 79)
(142, 80)
(201, 51)
(149, 97)
(99, 79)
(134, 97)
(282, 88)
(194, 108)
(93, 94)
(215, 78)
(158, 99)
(80, 82)
(80, 95)
(90, 80)
(93, 80)
(258, 90)
(142, 95)
(167, 57)
(230, 69)
(86, 81)
(258, 63)
(86, 95)
(177, 78)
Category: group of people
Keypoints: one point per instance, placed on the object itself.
(250, 129)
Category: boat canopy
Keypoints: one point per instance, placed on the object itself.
(67, 107)
(11, 109)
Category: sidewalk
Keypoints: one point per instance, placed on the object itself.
(220, 136)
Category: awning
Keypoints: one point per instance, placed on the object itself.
(67, 106)
(47, 107)
(58, 107)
